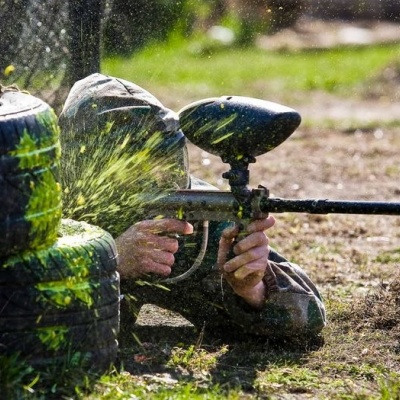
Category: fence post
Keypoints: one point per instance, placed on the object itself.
(84, 38)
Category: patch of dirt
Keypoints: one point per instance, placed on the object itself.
(377, 107)
(314, 34)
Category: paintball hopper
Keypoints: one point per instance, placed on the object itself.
(237, 128)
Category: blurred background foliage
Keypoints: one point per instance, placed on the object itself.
(133, 23)
(48, 45)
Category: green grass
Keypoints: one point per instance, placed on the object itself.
(246, 71)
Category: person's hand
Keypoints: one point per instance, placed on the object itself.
(246, 270)
(142, 250)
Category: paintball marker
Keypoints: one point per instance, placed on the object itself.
(238, 129)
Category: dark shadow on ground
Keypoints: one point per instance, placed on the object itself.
(236, 367)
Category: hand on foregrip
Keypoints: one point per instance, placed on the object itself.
(247, 268)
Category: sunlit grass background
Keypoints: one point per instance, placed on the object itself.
(195, 69)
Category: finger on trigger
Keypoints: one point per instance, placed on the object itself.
(178, 226)
(261, 224)
(253, 240)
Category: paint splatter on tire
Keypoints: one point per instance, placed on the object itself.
(30, 196)
(61, 304)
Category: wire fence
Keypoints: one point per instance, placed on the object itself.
(42, 45)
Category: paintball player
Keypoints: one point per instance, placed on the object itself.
(256, 292)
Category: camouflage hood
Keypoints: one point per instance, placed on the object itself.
(98, 101)
(97, 98)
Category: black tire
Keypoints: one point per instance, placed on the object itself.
(30, 196)
(61, 304)
(72, 294)
(76, 240)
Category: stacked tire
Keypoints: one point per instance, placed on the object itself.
(59, 286)
(30, 211)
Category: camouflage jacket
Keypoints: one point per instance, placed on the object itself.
(293, 308)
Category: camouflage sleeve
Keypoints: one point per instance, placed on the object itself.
(293, 307)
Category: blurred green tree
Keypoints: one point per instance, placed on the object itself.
(131, 24)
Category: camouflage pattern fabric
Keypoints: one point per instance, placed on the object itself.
(293, 308)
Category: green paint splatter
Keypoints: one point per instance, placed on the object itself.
(75, 268)
(221, 138)
(63, 293)
(64, 254)
(54, 337)
(40, 156)
(44, 210)
(78, 286)
(39, 151)
(105, 173)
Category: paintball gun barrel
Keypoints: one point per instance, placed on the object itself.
(200, 205)
(238, 129)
